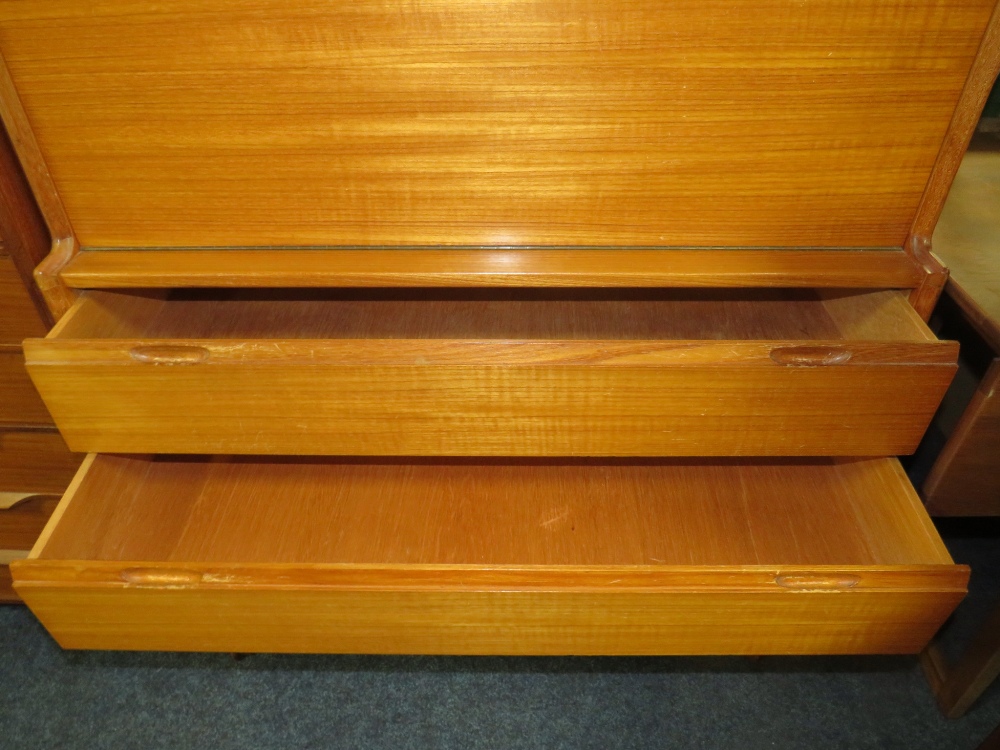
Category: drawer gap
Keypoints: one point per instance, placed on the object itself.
(497, 314)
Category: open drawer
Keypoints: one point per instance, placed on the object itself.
(675, 372)
(491, 556)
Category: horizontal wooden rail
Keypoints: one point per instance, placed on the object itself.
(491, 267)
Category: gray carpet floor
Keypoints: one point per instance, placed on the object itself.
(57, 699)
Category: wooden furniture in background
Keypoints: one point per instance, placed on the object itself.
(35, 465)
(957, 686)
(965, 478)
(241, 172)
(22, 518)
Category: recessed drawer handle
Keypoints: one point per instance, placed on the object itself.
(810, 356)
(153, 578)
(817, 582)
(169, 355)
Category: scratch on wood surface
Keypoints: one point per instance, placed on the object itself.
(557, 518)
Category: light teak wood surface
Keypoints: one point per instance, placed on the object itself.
(975, 92)
(507, 267)
(696, 372)
(506, 556)
(524, 144)
(611, 123)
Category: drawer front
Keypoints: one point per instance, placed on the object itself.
(19, 401)
(492, 398)
(19, 318)
(401, 611)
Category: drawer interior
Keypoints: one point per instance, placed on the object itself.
(527, 314)
(660, 512)
(491, 556)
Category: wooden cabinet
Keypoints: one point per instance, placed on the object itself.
(19, 319)
(964, 479)
(35, 465)
(556, 328)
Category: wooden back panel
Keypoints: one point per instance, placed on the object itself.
(526, 122)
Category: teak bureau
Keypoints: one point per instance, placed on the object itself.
(464, 327)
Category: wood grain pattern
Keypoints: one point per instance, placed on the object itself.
(22, 227)
(884, 269)
(32, 219)
(663, 315)
(310, 620)
(977, 89)
(935, 276)
(499, 557)
(20, 403)
(497, 512)
(681, 372)
(20, 525)
(964, 479)
(21, 135)
(35, 461)
(19, 318)
(470, 408)
(525, 123)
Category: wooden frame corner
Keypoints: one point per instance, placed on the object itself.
(925, 296)
(58, 297)
(970, 105)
